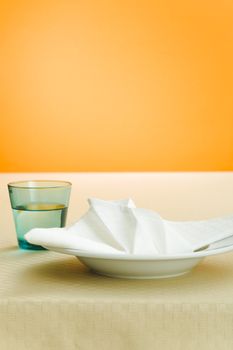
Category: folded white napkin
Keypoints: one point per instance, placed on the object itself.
(118, 227)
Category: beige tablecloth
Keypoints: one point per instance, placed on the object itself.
(51, 301)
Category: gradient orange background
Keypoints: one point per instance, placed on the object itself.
(116, 85)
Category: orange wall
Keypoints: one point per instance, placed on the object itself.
(116, 85)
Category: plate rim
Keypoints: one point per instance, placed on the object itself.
(132, 257)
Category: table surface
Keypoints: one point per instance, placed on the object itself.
(55, 299)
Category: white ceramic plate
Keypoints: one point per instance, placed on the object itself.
(145, 267)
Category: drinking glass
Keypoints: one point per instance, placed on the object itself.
(38, 203)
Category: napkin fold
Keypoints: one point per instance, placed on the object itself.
(118, 227)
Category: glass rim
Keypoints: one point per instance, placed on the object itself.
(31, 184)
